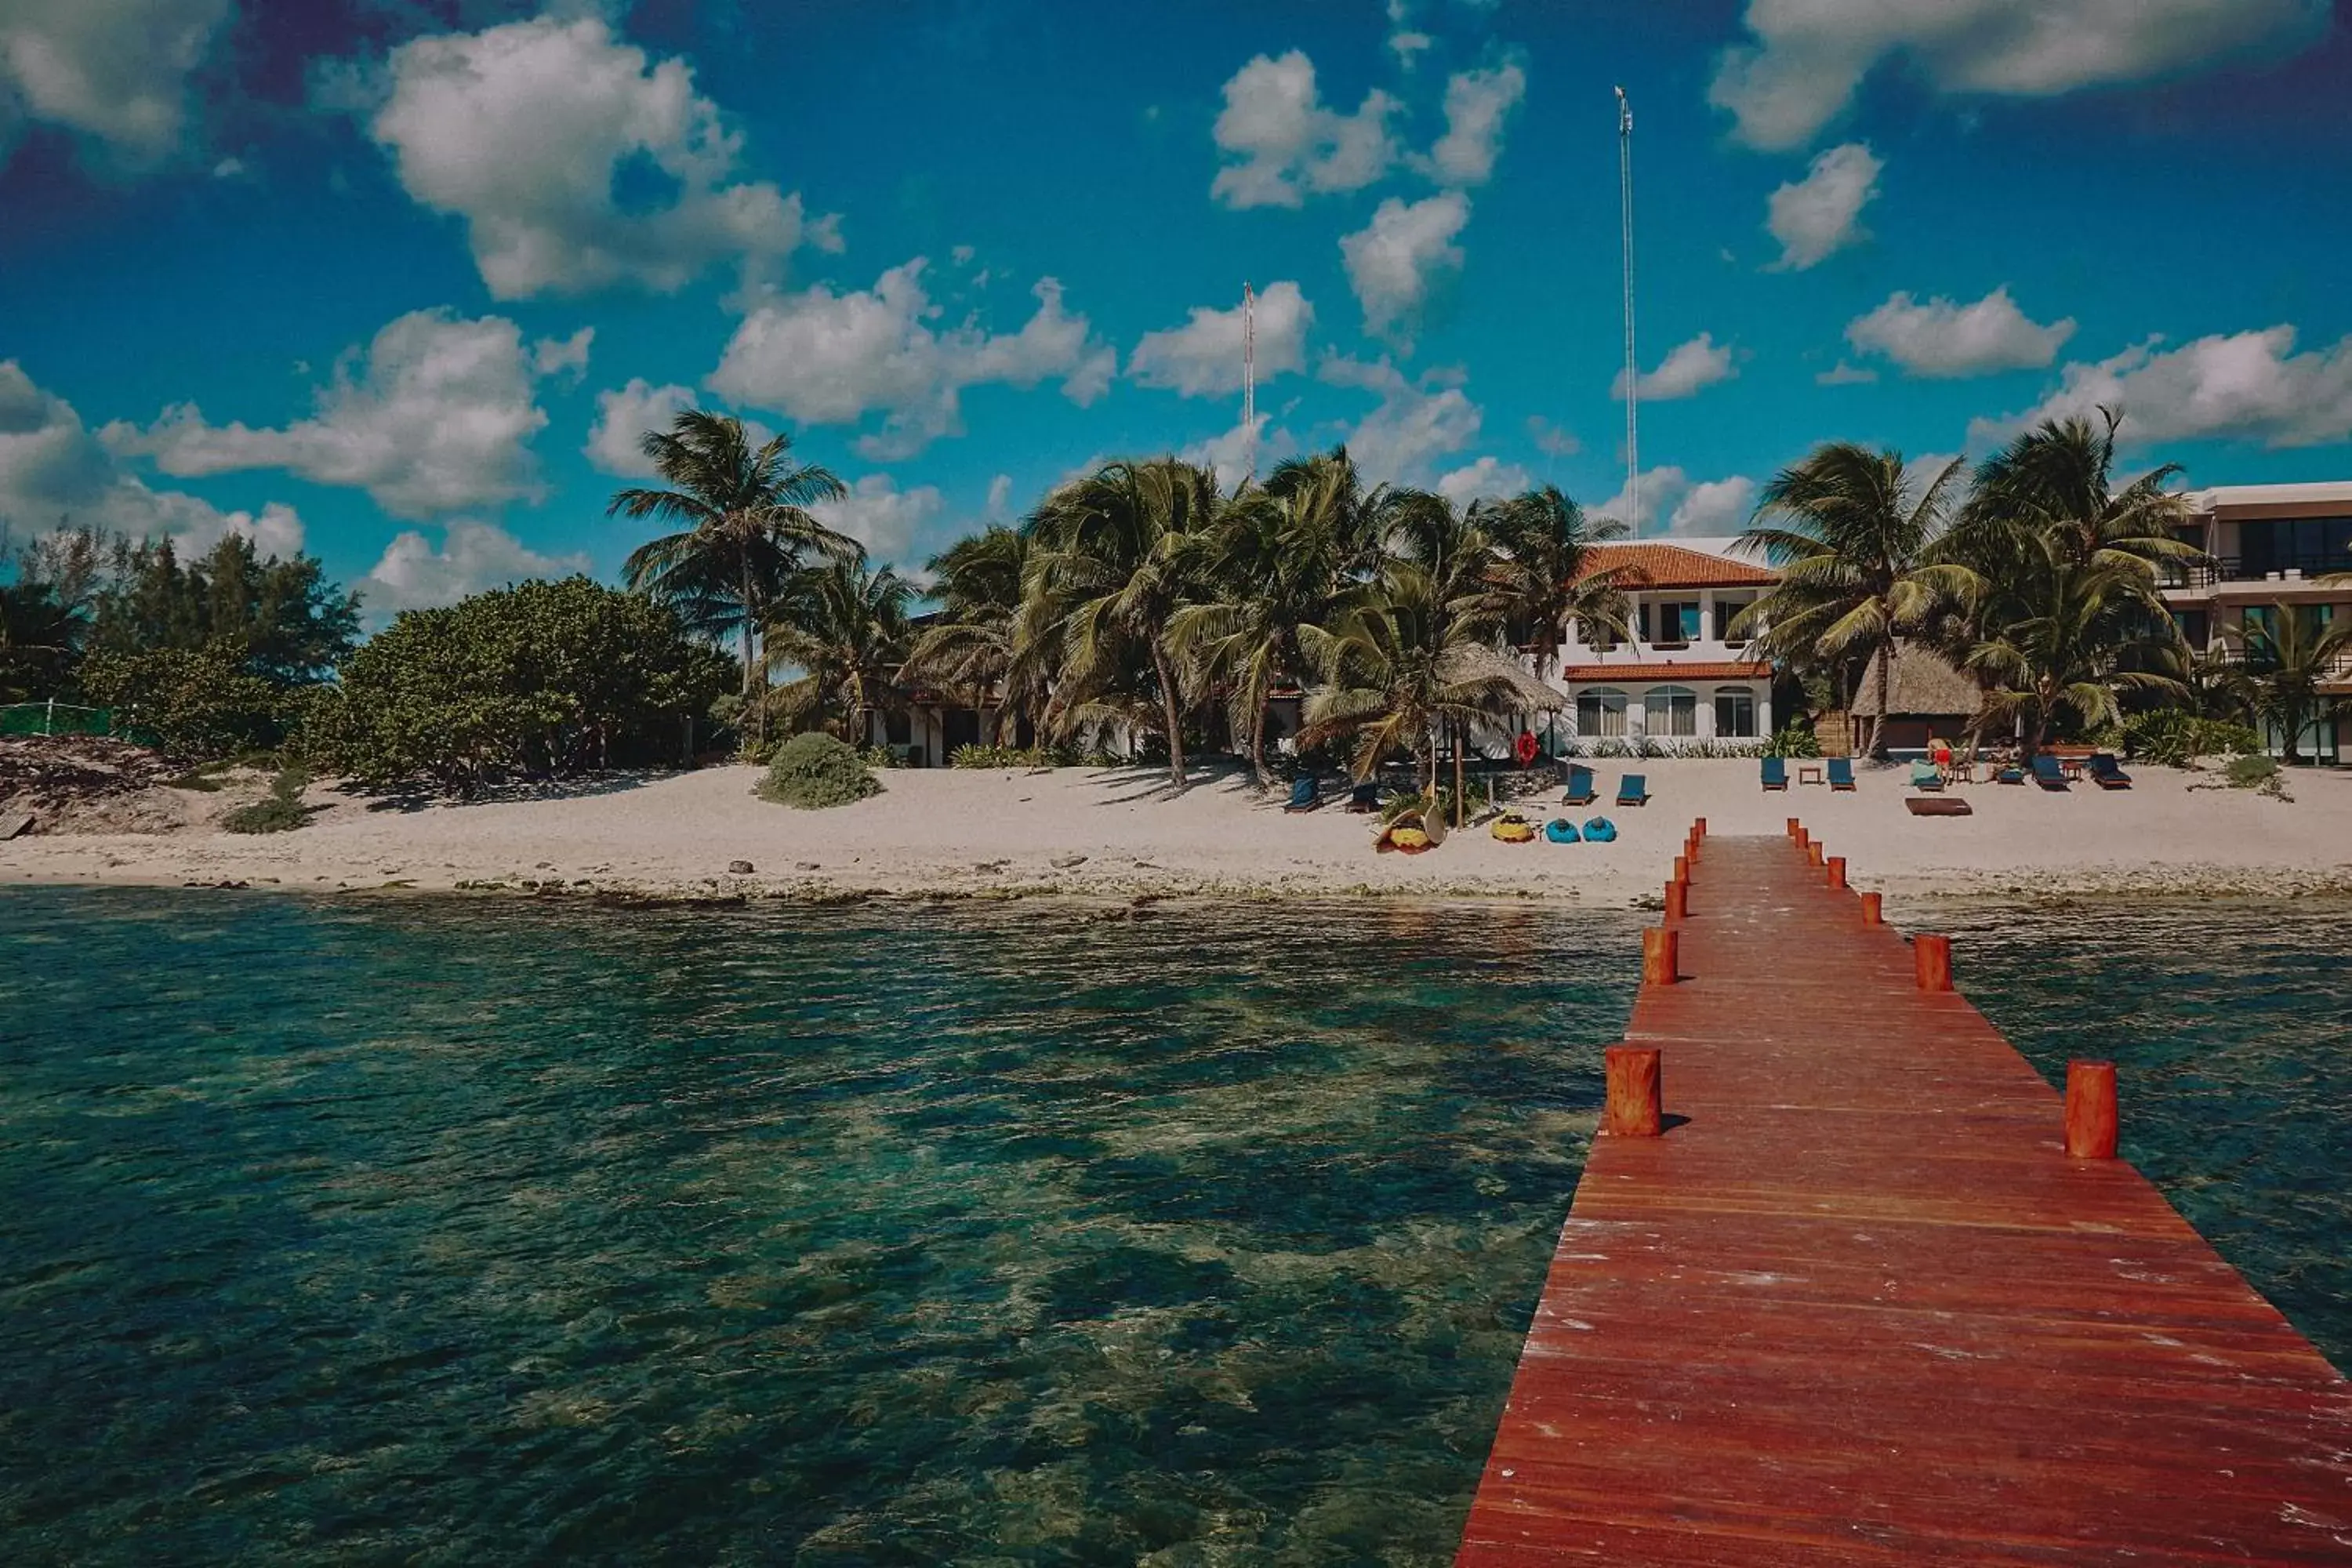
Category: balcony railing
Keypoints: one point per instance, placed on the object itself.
(2218, 569)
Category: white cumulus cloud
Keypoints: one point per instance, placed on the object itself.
(473, 556)
(1478, 105)
(2248, 386)
(824, 358)
(115, 72)
(882, 517)
(55, 470)
(1820, 214)
(435, 416)
(1809, 55)
(1230, 452)
(1396, 262)
(1488, 479)
(1941, 337)
(578, 162)
(1688, 370)
(1283, 144)
(1414, 422)
(1704, 509)
(624, 415)
(1202, 358)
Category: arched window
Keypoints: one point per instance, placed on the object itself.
(1735, 713)
(1600, 713)
(1670, 711)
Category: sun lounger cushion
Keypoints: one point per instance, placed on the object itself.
(2108, 774)
(1776, 772)
(1633, 789)
(1302, 795)
(1580, 790)
(1841, 773)
(2047, 772)
(1924, 777)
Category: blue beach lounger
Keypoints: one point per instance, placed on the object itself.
(2047, 772)
(1302, 795)
(2108, 774)
(1924, 776)
(1776, 772)
(1634, 789)
(1579, 787)
(1365, 798)
(1841, 773)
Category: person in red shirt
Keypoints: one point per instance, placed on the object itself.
(1939, 751)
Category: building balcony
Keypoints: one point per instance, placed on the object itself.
(2232, 571)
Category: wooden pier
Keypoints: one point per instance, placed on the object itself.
(1855, 1303)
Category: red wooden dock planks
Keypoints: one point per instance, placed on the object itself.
(1860, 1306)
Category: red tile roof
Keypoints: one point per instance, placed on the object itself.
(1672, 566)
(1721, 670)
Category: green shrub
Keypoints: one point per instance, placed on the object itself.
(199, 702)
(816, 771)
(2253, 773)
(983, 756)
(1794, 739)
(280, 811)
(2170, 738)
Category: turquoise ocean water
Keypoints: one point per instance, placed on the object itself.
(433, 1231)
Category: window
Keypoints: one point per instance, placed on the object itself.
(2196, 628)
(1678, 621)
(1642, 619)
(1735, 714)
(1670, 711)
(1725, 611)
(896, 729)
(1600, 713)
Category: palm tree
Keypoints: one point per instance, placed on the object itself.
(2056, 481)
(2288, 653)
(1396, 667)
(1546, 576)
(743, 529)
(1114, 557)
(845, 627)
(1273, 567)
(972, 648)
(1853, 537)
(2074, 633)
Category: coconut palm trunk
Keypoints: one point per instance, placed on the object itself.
(1168, 708)
(1886, 683)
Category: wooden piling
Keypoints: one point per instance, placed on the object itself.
(1677, 900)
(1870, 910)
(2090, 1110)
(1635, 1107)
(1836, 865)
(1815, 851)
(1698, 828)
(1795, 827)
(1682, 869)
(1659, 956)
(1931, 958)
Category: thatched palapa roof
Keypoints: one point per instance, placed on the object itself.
(1922, 686)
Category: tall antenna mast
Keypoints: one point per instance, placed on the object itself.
(1249, 374)
(1633, 368)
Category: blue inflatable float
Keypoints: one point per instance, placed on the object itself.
(1601, 830)
(1560, 830)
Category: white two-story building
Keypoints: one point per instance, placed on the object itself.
(1683, 675)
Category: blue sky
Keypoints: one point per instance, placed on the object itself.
(401, 279)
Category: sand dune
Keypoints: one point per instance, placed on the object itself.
(997, 834)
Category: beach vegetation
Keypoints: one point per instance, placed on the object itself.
(280, 811)
(972, 649)
(2289, 652)
(543, 680)
(996, 756)
(814, 771)
(2169, 736)
(1797, 738)
(843, 627)
(200, 702)
(2254, 771)
(742, 530)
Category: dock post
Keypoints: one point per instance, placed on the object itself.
(1660, 955)
(1836, 865)
(1634, 1105)
(1682, 869)
(1932, 957)
(2090, 1110)
(1815, 850)
(1698, 829)
(1677, 900)
(1795, 829)
(1870, 915)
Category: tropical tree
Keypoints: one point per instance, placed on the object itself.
(1544, 573)
(2055, 483)
(2073, 636)
(2289, 652)
(1852, 536)
(972, 647)
(742, 530)
(1394, 668)
(844, 628)
(1113, 555)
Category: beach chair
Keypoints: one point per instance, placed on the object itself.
(2011, 774)
(2047, 772)
(2106, 773)
(1579, 787)
(1924, 776)
(1633, 790)
(1841, 773)
(1303, 795)
(1776, 772)
(1365, 798)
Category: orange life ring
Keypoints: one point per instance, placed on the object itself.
(1525, 748)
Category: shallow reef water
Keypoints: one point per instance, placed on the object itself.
(442, 1231)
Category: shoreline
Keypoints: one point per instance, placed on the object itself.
(1119, 837)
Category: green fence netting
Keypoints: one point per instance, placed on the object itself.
(68, 718)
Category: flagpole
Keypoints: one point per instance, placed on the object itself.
(1633, 369)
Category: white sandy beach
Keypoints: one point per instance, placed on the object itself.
(1120, 835)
